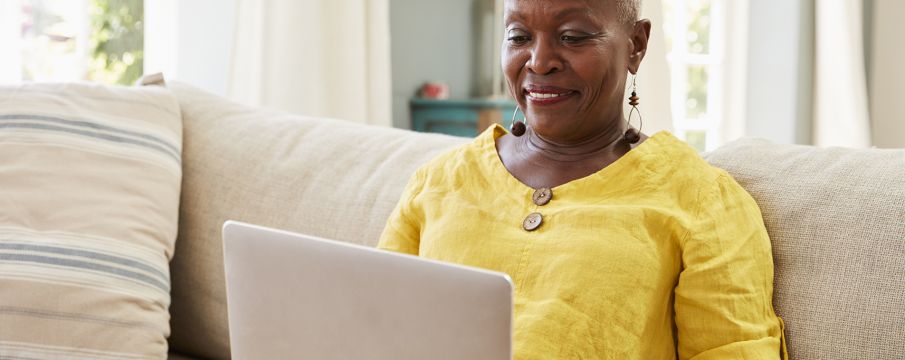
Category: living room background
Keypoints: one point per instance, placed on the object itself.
(731, 85)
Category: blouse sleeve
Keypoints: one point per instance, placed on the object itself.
(403, 229)
(723, 300)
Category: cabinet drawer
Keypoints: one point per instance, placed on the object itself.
(457, 117)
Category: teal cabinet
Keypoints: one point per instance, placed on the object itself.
(459, 117)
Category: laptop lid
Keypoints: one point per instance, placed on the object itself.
(294, 296)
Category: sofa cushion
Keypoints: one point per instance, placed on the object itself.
(836, 218)
(329, 178)
(89, 196)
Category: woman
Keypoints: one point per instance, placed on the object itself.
(620, 246)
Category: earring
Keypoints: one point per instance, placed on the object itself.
(632, 135)
(518, 128)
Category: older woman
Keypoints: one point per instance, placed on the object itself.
(620, 246)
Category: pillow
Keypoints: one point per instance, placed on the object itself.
(836, 218)
(329, 178)
(89, 196)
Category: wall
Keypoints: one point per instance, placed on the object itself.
(431, 40)
(887, 82)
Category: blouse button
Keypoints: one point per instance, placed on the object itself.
(532, 222)
(542, 196)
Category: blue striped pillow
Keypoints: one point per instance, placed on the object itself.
(89, 197)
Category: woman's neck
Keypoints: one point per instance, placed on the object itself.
(604, 142)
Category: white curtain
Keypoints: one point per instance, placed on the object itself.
(653, 76)
(887, 75)
(322, 58)
(734, 70)
(840, 87)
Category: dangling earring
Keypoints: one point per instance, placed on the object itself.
(518, 128)
(632, 135)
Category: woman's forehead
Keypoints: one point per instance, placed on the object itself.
(555, 9)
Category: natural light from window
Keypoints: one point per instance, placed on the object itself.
(72, 40)
(695, 54)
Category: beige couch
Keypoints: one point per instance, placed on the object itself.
(836, 217)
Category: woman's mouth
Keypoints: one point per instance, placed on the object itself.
(547, 96)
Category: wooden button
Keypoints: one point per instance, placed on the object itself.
(532, 222)
(542, 196)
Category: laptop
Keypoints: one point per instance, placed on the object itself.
(294, 296)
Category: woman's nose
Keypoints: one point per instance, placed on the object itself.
(545, 58)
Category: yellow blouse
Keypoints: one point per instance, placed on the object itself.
(657, 256)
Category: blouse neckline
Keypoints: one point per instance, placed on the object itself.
(631, 159)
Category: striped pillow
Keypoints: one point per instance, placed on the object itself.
(89, 200)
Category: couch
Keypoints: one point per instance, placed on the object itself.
(836, 217)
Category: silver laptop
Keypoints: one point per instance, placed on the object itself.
(293, 296)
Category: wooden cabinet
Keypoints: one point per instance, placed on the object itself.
(459, 117)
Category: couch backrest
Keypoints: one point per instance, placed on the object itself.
(328, 178)
(836, 218)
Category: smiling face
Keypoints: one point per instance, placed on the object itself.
(566, 62)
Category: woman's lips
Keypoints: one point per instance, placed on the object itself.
(548, 96)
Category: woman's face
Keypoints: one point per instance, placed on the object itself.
(566, 62)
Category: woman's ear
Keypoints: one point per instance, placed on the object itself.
(639, 38)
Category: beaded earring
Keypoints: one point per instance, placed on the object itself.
(632, 135)
(518, 128)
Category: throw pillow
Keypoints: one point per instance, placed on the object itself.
(89, 199)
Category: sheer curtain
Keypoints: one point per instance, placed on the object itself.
(887, 75)
(734, 71)
(840, 86)
(314, 57)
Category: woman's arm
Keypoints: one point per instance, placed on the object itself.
(723, 302)
(403, 229)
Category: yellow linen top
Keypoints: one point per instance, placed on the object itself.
(657, 256)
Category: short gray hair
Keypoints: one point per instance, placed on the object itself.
(629, 10)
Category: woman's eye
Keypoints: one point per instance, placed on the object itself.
(518, 39)
(573, 39)
(517, 36)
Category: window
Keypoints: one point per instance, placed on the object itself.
(696, 49)
(69, 40)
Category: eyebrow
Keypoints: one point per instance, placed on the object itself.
(566, 12)
(559, 15)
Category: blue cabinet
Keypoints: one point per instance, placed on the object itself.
(459, 117)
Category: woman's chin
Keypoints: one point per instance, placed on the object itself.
(551, 128)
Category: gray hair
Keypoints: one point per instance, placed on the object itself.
(629, 10)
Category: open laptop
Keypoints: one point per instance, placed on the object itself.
(294, 296)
